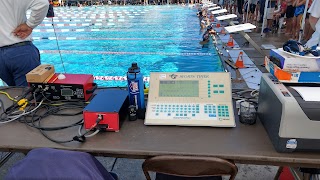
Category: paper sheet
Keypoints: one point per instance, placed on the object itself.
(309, 93)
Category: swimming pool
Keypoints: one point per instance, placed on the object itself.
(104, 41)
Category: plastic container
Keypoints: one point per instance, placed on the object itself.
(248, 113)
(135, 87)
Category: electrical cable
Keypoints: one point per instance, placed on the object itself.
(22, 114)
(114, 163)
(90, 135)
(2, 106)
(11, 98)
(27, 110)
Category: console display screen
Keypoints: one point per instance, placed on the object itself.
(179, 88)
(66, 92)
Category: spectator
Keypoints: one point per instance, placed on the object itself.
(314, 23)
(298, 14)
(280, 13)
(308, 31)
(257, 11)
(240, 4)
(270, 12)
(18, 55)
(289, 15)
(245, 9)
(252, 9)
(262, 5)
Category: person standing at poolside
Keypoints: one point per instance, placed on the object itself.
(314, 23)
(298, 13)
(18, 55)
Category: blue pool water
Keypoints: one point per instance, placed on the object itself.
(158, 38)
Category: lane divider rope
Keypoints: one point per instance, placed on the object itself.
(124, 53)
(126, 39)
(116, 78)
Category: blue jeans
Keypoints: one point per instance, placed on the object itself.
(16, 61)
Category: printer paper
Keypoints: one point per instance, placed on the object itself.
(309, 93)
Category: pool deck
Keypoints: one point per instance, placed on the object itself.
(130, 169)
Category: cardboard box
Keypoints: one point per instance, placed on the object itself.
(40, 73)
(291, 76)
(295, 63)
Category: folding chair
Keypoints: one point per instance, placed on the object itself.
(188, 167)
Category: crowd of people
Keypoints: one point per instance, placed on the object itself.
(280, 13)
(287, 14)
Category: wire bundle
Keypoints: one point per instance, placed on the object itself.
(33, 106)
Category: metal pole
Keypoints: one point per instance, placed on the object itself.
(303, 21)
(264, 16)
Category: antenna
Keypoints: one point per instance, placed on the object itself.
(55, 34)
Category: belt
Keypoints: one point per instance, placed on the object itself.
(17, 44)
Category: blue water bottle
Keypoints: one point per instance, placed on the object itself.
(135, 87)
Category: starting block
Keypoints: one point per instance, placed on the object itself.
(240, 27)
(224, 17)
(214, 8)
(219, 11)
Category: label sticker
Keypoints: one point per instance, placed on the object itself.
(291, 144)
(162, 76)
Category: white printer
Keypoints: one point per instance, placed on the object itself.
(292, 123)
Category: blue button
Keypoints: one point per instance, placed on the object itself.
(181, 114)
(212, 115)
(205, 111)
(185, 114)
(157, 114)
(177, 114)
(169, 114)
(193, 115)
(221, 85)
(197, 111)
